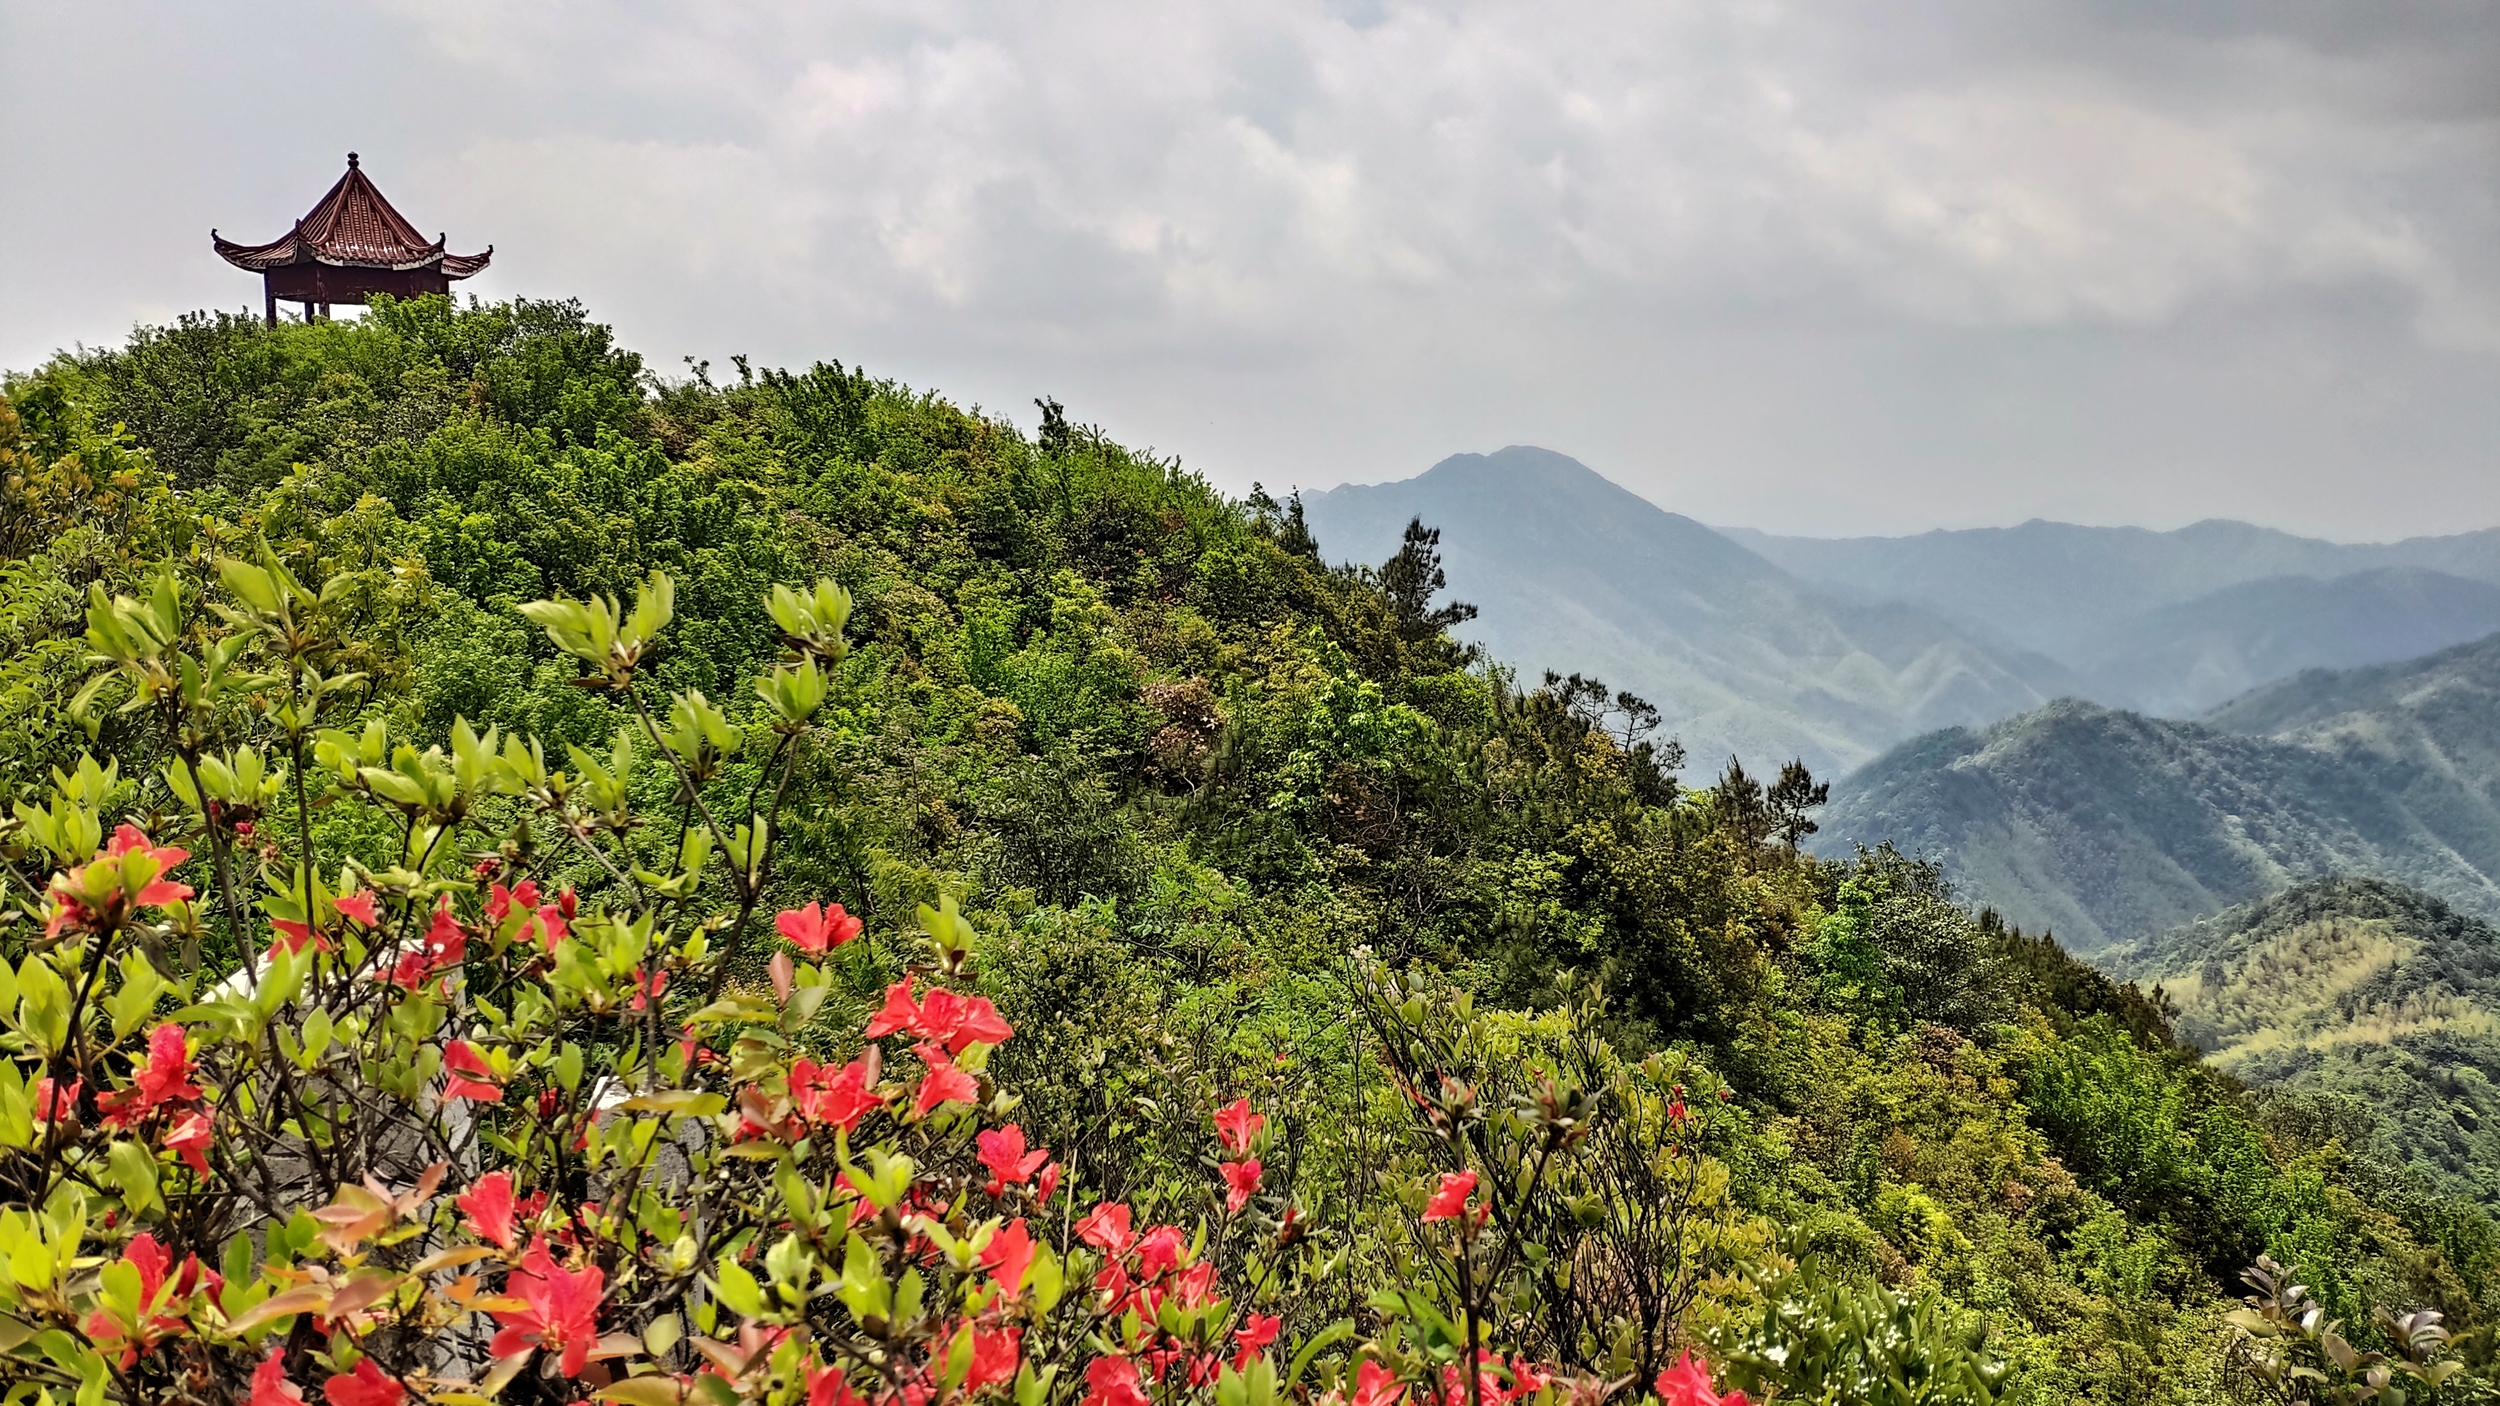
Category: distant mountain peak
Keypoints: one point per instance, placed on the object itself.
(1576, 573)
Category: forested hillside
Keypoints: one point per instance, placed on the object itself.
(2369, 1007)
(2110, 827)
(1181, 824)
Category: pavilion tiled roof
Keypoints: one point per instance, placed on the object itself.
(352, 227)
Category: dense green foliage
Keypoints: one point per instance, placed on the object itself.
(2369, 1009)
(1180, 774)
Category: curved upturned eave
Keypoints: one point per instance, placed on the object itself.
(286, 250)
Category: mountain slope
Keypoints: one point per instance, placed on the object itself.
(2053, 586)
(2181, 660)
(2384, 1000)
(1572, 572)
(2106, 826)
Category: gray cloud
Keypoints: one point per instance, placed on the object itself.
(1823, 268)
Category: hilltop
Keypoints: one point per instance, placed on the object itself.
(1205, 817)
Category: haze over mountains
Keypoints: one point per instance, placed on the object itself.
(2064, 590)
(1571, 572)
(1770, 647)
(2015, 702)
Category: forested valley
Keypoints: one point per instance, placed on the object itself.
(771, 861)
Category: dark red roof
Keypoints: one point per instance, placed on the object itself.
(352, 227)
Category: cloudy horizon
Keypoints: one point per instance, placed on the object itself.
(1802, 268)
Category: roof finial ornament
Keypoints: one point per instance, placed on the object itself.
(351, 161)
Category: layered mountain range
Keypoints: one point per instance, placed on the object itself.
(2102, 732)
(1573, 572)
(2105, 826)
(1833, 651)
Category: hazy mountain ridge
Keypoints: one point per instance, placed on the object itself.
(2185, 659)
(2051, 586)
(1573, 572)
(2381, 1002)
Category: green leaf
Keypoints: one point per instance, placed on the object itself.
(1320, 1342)
(643, 1391)
(690, 1102)
(738, 1289)
(132, 1168)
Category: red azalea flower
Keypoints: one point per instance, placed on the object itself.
(358, 906)
(1161, 1249)
(366, 1386)
(552, 928)
(1112, 1381)
(827, 1387)
(488, 1205)
(1375, 1385)
(444, 936)
(1048, 1183)
(269, 1384)
(1116, 1287)
(1676, 1113)
(945, 1018)
(1255, 1333)
(1241, 1182)
(1236, 1125)
(108, 1330)
(500, 900)
(1526, 1378)
(124, 873)
(1002, 1151)
(815, 928)
(944, 1083)
(648, 986)
(560, 1312)
(995, 1356)
(165, 1078)
(1195, 1286)
(962, 1021)
(154, 892)
(446, 945)
(837, 1097)
(59, 1105)
(1451, 1200)
(190, 1139)
(468, 1075)
(900, 1011)
(1008, 1254)
(294, 937)
(1687, 1383)
(1106, 1228)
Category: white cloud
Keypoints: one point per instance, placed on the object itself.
(1437, 226)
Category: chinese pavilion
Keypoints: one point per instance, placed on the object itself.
(349, 246)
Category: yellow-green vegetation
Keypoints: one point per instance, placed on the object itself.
(2368, 1012)
(1188, 789)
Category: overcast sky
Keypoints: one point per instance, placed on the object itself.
(1830, 269)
